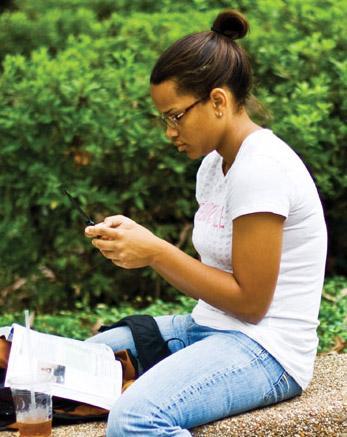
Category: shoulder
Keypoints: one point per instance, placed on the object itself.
(265, 145)
(264, 155)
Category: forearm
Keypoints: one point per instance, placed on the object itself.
(195, 279)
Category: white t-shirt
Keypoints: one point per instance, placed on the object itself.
(267, 176)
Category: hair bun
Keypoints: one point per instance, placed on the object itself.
(231, 24)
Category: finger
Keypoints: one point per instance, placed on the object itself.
(115, 220)
(102, 231)
(90, 230)
(117, 262)
(109, 254)
(122, 264)
(104, 244)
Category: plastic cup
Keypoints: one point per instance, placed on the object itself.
(33, 405)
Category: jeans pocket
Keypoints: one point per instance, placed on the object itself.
(280, 390)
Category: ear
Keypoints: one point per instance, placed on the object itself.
(219, 99)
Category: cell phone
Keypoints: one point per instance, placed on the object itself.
(87, 220)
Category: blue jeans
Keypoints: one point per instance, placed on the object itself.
(210, 375)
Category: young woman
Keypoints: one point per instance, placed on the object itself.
(261, 236)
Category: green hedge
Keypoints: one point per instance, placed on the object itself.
(83, 118)
(21, 34)
(104, 8)
(75, 109)
(84, 322)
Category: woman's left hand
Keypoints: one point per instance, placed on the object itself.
(126, 243)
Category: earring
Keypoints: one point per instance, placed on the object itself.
(219, 114)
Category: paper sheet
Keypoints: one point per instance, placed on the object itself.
(82, 371)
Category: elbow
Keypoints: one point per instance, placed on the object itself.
(255, 318)
(247, 316)
(256, 309)
(254, 315)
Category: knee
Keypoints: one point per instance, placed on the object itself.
(127, 420)
(113, 426)
(117, 421)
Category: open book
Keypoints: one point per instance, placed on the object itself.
(82, 371)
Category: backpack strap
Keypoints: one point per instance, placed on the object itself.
(150, 345)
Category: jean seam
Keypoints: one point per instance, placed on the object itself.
(190, 325)
(177, 333)
(214, 378)
(275, 389)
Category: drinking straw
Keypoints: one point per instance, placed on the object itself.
(31, 367)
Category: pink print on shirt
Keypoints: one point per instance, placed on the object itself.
(211, 213)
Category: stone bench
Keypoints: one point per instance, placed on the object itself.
(320, 411)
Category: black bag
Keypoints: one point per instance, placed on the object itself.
(150, 345)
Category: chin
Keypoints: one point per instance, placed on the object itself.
(194, 155)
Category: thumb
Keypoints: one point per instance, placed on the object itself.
(115, 220)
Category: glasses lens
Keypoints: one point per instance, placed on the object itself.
(163, 121)
(166, 121)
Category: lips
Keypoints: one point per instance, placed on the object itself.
(181, 147)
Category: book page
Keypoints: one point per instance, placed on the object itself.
(6, 332)
(82, 371)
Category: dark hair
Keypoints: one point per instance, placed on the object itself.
(202, 61)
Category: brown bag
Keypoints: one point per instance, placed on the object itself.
(5, 348)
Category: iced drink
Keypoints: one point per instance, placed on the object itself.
(33, 404)
(38, 429)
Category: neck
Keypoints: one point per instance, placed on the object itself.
(239, 126)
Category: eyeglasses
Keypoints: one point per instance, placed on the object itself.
(173, 120)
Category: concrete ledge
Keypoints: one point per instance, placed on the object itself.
(321, 411)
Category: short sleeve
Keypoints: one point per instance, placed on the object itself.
(260, 184)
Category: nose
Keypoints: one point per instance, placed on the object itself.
(171, 132)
